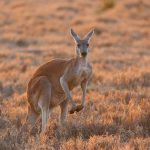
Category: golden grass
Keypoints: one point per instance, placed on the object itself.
(117, 112)
(107, 4)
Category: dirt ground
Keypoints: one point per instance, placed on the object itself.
(117, 112)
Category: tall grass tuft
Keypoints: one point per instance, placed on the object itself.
(107, 4)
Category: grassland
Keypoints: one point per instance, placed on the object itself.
(117, 113)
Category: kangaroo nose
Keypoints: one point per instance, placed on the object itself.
(83, 54)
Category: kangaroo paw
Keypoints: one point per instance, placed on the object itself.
(77, 109)
(72, 110)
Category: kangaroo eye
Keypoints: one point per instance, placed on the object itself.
(87, 45)
(78, 45)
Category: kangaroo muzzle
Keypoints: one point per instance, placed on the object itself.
(83, 54)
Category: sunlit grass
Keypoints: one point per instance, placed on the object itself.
(117, 110)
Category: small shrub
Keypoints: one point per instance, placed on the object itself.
(145, 123)
(107, 4)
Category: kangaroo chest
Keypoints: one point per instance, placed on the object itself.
(79, 74)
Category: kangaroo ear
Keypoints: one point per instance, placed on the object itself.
(74, 35)
(88, 36)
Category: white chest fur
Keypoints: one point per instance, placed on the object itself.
(79, 72)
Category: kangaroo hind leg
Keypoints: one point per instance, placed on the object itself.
(44, 100)
(64, 112)
(31, 119)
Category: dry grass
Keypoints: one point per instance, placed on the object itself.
(107, 4)
(117, 114)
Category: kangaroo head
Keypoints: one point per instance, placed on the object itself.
(82, 45)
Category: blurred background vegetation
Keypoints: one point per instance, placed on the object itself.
(117, 112)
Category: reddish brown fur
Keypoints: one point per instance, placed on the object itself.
(52, 70)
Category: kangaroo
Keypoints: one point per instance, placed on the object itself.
(52, 83)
